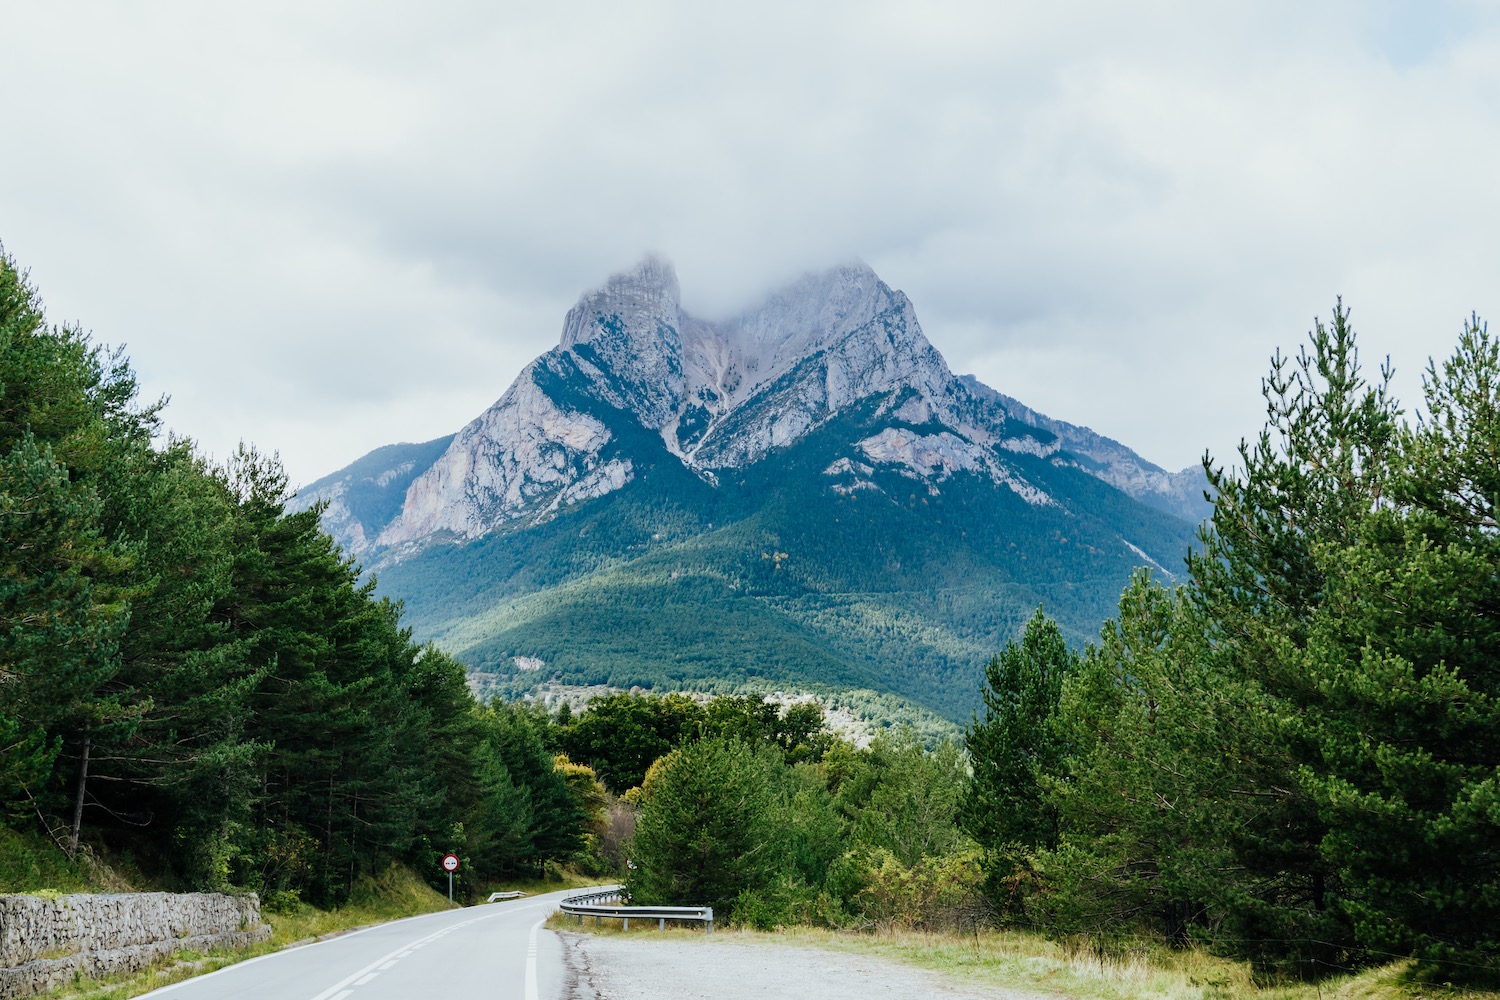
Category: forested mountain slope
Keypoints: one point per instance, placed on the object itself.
(802, 495)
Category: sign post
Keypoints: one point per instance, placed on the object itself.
(450, 865)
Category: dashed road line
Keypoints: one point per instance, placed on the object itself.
(389, 959)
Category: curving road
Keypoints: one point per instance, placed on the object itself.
(496, 949)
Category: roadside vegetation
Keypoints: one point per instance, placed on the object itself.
(196, 687)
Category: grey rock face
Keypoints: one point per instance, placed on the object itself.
(1179, 493)
(362, 499)
(522, 452)
(721, 395)
(626, 337)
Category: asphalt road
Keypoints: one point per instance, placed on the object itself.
(491, 950)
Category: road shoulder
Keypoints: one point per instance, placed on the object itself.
(732, 966)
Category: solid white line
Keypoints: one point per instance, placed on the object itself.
(531, 993)
(366, 979)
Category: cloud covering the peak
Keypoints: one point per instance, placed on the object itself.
(326, 227)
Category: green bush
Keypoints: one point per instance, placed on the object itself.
(706, 831)
(284, 901)
(934, 893)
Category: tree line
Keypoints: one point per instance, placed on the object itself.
(760, 810)
(195, 679)
(1294, 753)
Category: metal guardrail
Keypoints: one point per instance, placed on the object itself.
(505, 895)
(598, 905)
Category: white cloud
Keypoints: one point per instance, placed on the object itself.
(327, 227)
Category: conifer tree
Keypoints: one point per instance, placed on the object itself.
(1309, 483)
(1018, 746)
(1404, 713)
(706, 831)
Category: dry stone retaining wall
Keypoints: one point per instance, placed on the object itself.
(45, 943)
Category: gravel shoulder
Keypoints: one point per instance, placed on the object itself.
(728, 966)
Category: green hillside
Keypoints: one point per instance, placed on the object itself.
(773, 575)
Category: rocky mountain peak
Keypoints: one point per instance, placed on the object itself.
(722, 395)
(807, 316)
(643, 299)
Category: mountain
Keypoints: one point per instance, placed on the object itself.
(366, 496)
(801, 496)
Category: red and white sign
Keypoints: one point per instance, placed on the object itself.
(450, 863)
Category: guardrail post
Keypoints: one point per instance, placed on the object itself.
(627, 924)
(661, 924)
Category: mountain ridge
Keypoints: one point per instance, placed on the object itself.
(713, 395)
(803, 492)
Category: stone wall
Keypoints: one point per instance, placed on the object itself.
(45, 943)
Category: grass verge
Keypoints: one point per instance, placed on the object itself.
(612, 928)
(31, 864)
(1023, 961)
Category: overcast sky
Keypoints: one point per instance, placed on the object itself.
(324, 227)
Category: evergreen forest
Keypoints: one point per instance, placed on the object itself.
(197, 682)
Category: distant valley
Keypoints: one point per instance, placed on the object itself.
(801, 498)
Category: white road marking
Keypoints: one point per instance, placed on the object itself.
(531, 993)
(390, 963)
(278, 954)
(333, 992)
(365, 979)
(328, 994)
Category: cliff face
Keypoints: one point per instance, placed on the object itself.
(721, 396)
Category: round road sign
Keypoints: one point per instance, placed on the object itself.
(450, 863)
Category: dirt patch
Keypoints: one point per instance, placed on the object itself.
(727, 966)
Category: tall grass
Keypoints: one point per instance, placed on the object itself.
(1013, 960)
(30, 864)
(1144, 972)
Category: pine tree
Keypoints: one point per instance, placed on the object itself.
(706, 828)
(1406, 709)
(1308, 485)
(63, 598)
(1148, 776)
(1018, 747)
